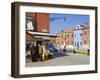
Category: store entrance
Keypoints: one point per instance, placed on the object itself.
(38, 42)
(43, 42)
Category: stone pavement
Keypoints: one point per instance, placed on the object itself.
(69, 59)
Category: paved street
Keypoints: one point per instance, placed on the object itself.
(62, 59)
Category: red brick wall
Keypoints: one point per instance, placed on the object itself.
(43, 22)
(29, 37)
(86, 38)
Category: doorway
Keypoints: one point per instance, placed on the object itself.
(38, 42)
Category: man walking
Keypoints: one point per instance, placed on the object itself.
(33, 53)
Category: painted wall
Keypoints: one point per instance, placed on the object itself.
(78, 41)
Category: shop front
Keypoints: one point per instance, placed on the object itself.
(39, 38)
(43, 38)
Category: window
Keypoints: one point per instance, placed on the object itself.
(72, 34)
(71, 42)
(78, 44)
(75, 43)
(75, 35)
(84, 41)
(67, 35)
(61, 36)
(81, 34)
(67, 42)
(84, 32)
(30, 23)
(78, 27)
(81, 43)
(88, 32)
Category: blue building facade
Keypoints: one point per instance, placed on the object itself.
(78, 41)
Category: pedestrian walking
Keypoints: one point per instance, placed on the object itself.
(74, 51)
(33, 53)
(39, 51)
(28, 51)
(88, 52)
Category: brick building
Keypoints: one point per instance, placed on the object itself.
(69, 37)
(41, 21)
(60, 40)
(77, 37)
(86, 36)
(38, 28)
(65, 39)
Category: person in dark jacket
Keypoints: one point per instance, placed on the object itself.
(88, 52)
(74, 51)
(33, 53)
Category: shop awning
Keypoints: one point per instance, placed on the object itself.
(42, 34)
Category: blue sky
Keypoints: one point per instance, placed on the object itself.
(64, 21)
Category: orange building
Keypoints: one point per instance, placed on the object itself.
(60, 38)
(65, 39)
(69, 39)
